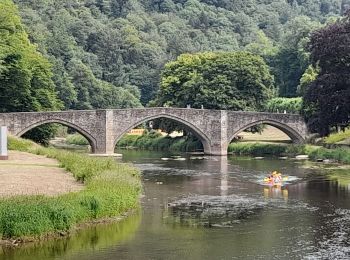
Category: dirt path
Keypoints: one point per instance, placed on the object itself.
(28, 174)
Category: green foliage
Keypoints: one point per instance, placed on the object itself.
(307, 79)
(326, 100)
(237, 80)
(128, 42)
(337, 137)
(156, 142)
(341, 155)
(25, 75)
(292, 58)
(262, 149)
(111, 189)
(257, 149)
(290, 105)
(77, 139)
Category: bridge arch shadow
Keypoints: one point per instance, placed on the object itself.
(202, 137)
(293, 134)
(92, 141)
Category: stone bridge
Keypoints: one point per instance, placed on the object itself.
(103, 128)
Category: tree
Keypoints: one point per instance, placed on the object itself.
(236, 80)
(25, 75)
(326, 100)
(292, 58)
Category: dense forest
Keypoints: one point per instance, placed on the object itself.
(85, 54)
(122, 45)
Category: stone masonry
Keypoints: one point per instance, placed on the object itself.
(104, 128)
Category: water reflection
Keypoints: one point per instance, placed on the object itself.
(93, 238)
(306, 219)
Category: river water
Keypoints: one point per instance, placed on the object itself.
(198, 207)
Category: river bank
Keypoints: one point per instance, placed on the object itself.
(156, 142)
(110, 190)
(191, 144)
(314, 153)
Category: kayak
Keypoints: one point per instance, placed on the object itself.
(271, 182)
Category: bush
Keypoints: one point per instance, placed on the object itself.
(110, 190)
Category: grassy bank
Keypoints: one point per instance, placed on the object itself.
(337, 137)
(111, 189)
(156, 142)
(315, 153)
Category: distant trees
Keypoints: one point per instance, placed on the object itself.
(292, 58)
(327, 99)
(127, 42)
(222, 80)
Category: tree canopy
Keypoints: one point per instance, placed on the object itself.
(326, 100)
(127, 43)
(25, 75)
(222, 80)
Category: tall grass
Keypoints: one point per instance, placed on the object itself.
(110, 190)
(337, 137)
(341, 155)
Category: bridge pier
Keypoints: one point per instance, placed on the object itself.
(103, 128)
(218, 134)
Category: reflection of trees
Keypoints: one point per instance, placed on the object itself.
(88, 239)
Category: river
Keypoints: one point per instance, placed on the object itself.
(197, 207)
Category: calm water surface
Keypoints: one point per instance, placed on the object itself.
(309, 218)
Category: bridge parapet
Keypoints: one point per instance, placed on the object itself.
(103, 128)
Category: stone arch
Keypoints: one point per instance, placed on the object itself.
(291, 132)
(80, 130)
(196, 131)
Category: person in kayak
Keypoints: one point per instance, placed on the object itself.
(274, 178)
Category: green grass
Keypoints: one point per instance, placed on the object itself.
(261, 149)
(337, 137)
(110, 190)
(76, 139)
(341, 155)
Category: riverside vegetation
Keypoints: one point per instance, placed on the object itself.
(111, 189)
(154, 141)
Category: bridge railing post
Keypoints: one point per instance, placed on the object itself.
(3, 143)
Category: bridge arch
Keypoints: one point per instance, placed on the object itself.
(89, 137)
(292, 133)
(195, 130)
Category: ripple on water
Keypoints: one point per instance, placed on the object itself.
(160, 169)
(225, 211)
(337, 244)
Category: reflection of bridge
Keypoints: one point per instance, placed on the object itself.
(103, 128)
